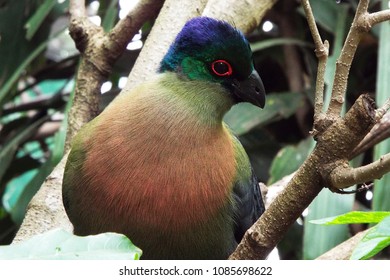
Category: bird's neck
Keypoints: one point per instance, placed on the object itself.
(207, 102)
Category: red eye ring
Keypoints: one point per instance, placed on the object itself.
(221, 68)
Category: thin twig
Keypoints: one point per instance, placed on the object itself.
(378, 133)
(126, 28)
(312, 24)
(322, 53)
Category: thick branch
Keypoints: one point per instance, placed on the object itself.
(333, 145)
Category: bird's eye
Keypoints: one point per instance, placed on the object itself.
(221, 68)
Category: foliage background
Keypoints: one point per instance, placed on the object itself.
(38, 62)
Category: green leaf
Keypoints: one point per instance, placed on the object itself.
(38, 17)
(259, 46)
(375, 240)
(289, 159)
(59, 244)
(355, 217)
(381, 199)
(244, 116)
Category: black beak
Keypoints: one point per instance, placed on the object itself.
(250, 90)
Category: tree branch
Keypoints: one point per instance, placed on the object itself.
(378, 17)
(334, 144)
(322, 53)
(362, 23)
(344, 176)
(378, 133)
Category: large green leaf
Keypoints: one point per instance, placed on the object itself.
(381, 199)
(375, 240)
(354, 217)
(62, 245)
(244, 116)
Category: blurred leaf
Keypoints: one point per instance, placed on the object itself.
(62, 245)
(381, 199)
(355, 217)
(244, 116)
(14, 47)
(259, 46)
(325, 12)
(18, 211)
(5, 89)
(110, 16)
(375, 240)
(37, 19)
(8, 150)
(289, 159)
(15, 187)
(261, 148)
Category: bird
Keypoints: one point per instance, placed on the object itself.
(160, 165)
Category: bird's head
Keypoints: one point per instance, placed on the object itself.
(212, 50)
